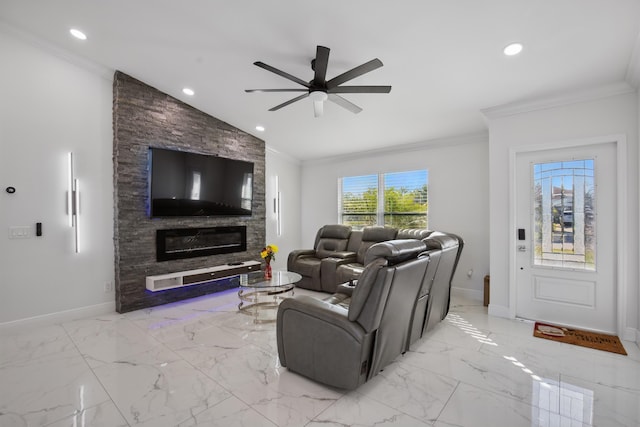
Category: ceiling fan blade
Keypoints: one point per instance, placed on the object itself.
(374, 64)
(320, 65)
(360, 89)
(318, 108)
(276, 90)
(291, 101)
(337, 99)
(281, 73)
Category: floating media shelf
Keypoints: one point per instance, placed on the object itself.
(180, 279)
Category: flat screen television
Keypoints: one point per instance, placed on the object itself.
(190, 184)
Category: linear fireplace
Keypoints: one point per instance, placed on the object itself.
(181, 243)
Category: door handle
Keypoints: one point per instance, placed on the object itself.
(522, 248)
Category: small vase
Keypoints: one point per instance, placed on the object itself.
(267, 271)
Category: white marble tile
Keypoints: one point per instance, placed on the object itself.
(471, 406)
(412, 390)
(201, 363)
(202, 347)
(597, 404)
(538, 419)
(157, 388)
(179, 322)
(9, 419)
(224, 301)
(600, 367)
(542, 418)
(461, 304)
(480, 320)
(257, 378)
(455, 330)
(498, 372)
(30, 344)
(290, 400)
(262, 335)
(109, 338)
(231, 412)
(357, 410)
(47, 389)
(103, 415)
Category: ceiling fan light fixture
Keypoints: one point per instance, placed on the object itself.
(513, 49)
(318, 96)
(78, 34)
(320, 89)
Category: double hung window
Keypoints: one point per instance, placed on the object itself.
(397, 199)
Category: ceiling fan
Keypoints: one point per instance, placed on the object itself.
(319, 89)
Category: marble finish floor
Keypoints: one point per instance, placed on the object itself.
(201, 363)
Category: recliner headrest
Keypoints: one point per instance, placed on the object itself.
(395, 251)
(376, 233)
(335, 231)
(413, 233)
(439, 240)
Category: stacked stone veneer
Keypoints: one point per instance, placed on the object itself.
(144, 117)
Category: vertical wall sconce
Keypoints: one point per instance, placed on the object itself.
(73, 202)
(276, 208)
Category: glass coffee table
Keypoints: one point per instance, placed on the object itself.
(260, 297)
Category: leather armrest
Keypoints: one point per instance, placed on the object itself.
(347, 256)
(295, 254)
(347, 288)
(328, 271)
(322, 310)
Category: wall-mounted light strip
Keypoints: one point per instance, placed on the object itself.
(276, 208)
(73, 203)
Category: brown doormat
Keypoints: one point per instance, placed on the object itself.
(580, 337)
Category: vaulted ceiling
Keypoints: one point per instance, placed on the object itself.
(443, 59)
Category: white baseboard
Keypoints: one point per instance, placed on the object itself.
(62, 316)
(630, 334)
(466, 293)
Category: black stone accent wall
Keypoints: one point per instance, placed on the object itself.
(143, 117)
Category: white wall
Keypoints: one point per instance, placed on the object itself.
(287, 170)
(586, 119)
(458, 189)
(48, 107)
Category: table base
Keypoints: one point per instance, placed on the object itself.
(263, 304)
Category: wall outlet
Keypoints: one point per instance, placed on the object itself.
(108, 287)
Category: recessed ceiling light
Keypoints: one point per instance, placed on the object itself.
(188, 91)
(78, 34)
(260, 128)
(513, 49)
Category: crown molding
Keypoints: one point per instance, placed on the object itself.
(40, 43)
(282, 155)
(559, 100)
(474, 138)
(633, 69)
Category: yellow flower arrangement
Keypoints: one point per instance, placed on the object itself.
(269, 253)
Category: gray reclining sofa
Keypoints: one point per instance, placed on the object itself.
(347, 338)
(339, 252)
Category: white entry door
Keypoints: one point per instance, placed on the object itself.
(566, 236)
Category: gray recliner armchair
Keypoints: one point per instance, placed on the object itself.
(450, 246)
(348, 338)
(329, 240)
(433, 302)
(352, 268)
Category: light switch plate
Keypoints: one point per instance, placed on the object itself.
(20, 232)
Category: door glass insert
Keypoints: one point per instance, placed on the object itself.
(564, 217)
